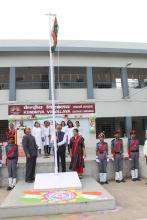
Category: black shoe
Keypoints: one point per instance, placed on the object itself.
(138, 179)
(123, 181)
(45, 156)
(81, 177)
(134, 179)
(106, 182)
(9, 188)
(101, 183)
(117, 181)
(29, 181)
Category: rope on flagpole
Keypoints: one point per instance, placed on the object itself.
(58, 72)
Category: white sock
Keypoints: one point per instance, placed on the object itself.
(133, 174)
(116, 175)
(120, 175)
(10, 181)
(136, 173)
(14, 182)
(101, 177)
(104, 177)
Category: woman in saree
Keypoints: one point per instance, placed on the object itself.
(77, 153)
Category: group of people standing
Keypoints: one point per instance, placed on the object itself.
(67, 137)
(102, 156)
(70, 141)
(44, 135)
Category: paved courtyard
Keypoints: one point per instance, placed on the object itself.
(131, 200)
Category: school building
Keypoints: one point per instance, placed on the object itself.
(112, 75)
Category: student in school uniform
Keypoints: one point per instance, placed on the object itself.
(133, 153)
(11, 162)
(47, 137)
(102, 157)
(117, 152)
(38, 134)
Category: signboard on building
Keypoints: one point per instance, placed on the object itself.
(80, 108)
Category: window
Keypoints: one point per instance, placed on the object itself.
(70, 77)
(109, 126)
(106, 78)
(4, 78)
(3, 130)
(32, 78)
(137, 78)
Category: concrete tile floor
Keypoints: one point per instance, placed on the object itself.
(131, 204)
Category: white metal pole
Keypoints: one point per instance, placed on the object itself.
(52, 93)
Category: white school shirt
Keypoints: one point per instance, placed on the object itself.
(145, 148)
(69, 134)
(46, 133)
(38, 134)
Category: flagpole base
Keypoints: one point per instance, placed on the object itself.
(57, 181)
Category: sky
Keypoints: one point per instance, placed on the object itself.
(98, 20)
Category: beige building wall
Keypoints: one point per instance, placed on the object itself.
(109, 102)
(73, 59)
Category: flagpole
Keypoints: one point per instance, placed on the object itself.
(52, 92)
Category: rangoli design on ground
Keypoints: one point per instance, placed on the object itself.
(59, 196)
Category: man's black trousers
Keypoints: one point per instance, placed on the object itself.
(30, 168)
(61, 157)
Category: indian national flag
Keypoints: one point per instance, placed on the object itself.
(54, 35)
